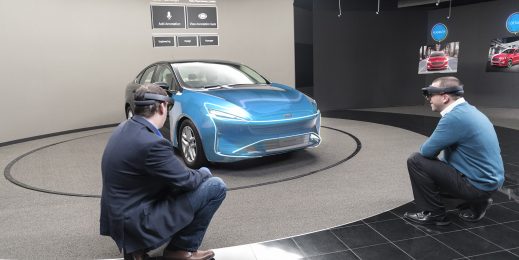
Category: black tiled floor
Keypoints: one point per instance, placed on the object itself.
(345, 255)
(288, 246)
(384, 251)
(502, 255)
(359, 236)
(466, 243)
(319, 243)
(397, 229)
(388, 215)
(511, 205)
(502, 214)
(427, 248)
(388, 236)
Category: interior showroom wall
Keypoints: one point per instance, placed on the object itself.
(474, 26)
(365, 60)
(65, 64)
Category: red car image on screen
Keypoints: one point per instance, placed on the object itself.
(437, 61)
(507, 58)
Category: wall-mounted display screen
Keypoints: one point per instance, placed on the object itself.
(163, 41)
(439, 58)
(168, 16)
(202, 17)
(187, 41)
(503, 55)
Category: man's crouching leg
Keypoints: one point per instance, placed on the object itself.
(205, 200)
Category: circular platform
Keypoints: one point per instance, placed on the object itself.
(72, 167)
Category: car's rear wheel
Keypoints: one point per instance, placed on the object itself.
(129, 112)
(510, 63)
(191, 145)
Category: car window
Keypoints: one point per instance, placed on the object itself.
(164, 74)
(207, 74)
(147, 75)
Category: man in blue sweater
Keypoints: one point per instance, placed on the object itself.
(471, 168)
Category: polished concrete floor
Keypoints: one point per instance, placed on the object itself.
(349, 207)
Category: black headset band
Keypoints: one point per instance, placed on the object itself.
(151, 98)
(448, 90)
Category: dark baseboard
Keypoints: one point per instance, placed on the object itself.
(56, 134)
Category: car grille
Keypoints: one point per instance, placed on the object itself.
(277, 128)
(281, 143)
(440, 63)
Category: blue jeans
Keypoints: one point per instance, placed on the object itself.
(205, 200)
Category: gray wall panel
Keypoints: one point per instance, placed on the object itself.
(366, 60)
(65, 64)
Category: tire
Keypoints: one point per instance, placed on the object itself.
(190, 145)
(129, 112)
(510, 63)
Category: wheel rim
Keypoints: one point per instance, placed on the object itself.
(509, 63)
(188, 144)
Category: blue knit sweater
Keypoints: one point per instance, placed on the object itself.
(469, 143)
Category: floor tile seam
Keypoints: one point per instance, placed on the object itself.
(391, 242)
(332, 253)
(381, 221)
(488, 253)
(298, 247)
(508, 209)
(488, 240)
(340, 240)
(504, 224)
(346, 245)
(441, 232)
(439, 241)
(510, 251)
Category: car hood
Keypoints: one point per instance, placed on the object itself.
(437, 59)
(267, 102)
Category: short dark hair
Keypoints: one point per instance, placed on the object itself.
(149, 110)
(450, 81)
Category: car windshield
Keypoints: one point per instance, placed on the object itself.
(508, 51)
(214, 75)
(437, 54)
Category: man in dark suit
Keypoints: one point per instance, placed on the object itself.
(149, 196)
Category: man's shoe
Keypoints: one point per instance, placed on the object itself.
(426, 218)
(136, 256)
(476, 212)
(186, 255)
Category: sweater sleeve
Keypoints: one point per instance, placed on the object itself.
(445, 135)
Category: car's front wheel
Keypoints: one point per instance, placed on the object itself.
(191, 145)
(510, 63)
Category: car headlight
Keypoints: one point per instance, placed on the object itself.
(225, 115)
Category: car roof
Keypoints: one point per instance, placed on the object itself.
(200, 60)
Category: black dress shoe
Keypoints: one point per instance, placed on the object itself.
(426, 218)
(476, 212)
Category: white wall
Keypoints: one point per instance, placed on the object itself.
(64, 64)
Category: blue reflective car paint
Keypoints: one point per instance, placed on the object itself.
(266, 115)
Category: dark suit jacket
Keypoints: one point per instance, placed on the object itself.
(143, 201)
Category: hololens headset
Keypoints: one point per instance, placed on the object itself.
(150, 99)
(431, 90)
